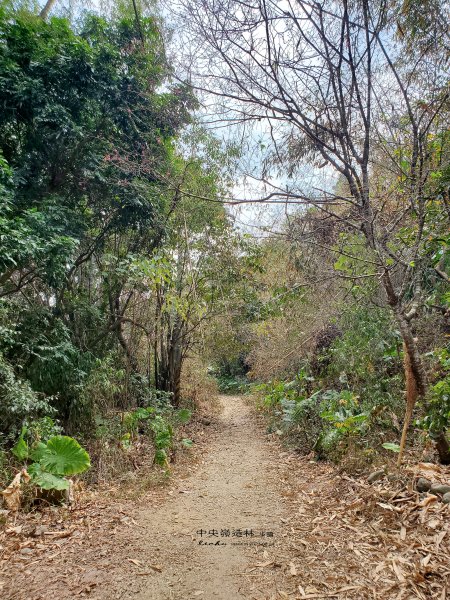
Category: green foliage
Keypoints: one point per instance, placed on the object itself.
(437, 418)
(182, 416)
(33, 435)
(60, 457)
(108, 268)
(64, 456)
(102, 388)
(355, 399)
(362, 365)
(272, 394)
(366, 357)
(232, 384)
(87, 126)
(20, 448)
(347, 417)
(157, 423)
(328, 442)
(163, 437)
(391, 446)
(298, 410)
(42, 429)
(132, 420)
(163, 427)
(229, 367)
(48, 481)
(19, 401)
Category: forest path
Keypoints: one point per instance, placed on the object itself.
(213, 531)
(232, 501)
(333, 536)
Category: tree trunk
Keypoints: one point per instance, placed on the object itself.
(411, 397)
(134, 366)
(170, 364)
(413, 367)
(47, 8)
(443, 448)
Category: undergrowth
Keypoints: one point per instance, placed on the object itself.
(347, 401)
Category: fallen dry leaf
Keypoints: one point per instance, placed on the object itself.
(12, 494)
(428, 500)
(426, 560)
(59, 534)
(265, 564)
(16, 530)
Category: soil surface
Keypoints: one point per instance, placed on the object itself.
(247, 521)
(200, 538)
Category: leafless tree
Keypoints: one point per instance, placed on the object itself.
(329, 81)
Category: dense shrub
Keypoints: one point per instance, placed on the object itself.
(349, 398)
(19, 402)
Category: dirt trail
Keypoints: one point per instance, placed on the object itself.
(198, 537)
(232, 502)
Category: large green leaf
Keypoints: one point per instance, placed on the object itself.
(141, 414)
(64, 456)
(38, 451)
(47, 481)
(20, 449)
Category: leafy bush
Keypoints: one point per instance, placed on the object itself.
(56, 367)
(328, 442)
(156, 423)
(271, 395)
(162, 427)
(232, 384)
(132, 419)
(347, 417)
(53, 461)
(104, 385)
(145, 395)
(367, 358)
(19, 402)
(437, 418)
(230, 373)
(163, 437)
(42, 429)
(301, 422)
(320, 421)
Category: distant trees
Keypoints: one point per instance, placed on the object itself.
(339, 86)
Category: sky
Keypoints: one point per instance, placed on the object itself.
(256, 219)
